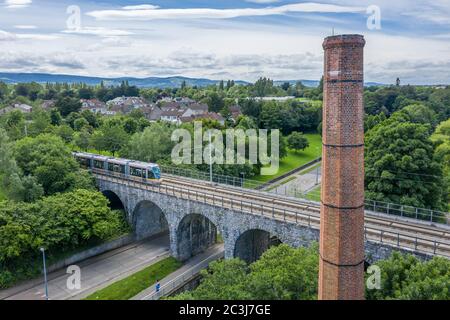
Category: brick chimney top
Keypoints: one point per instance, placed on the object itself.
(344, 40)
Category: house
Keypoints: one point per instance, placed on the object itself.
(96, 106)
(127, 103)
(235, 111)
(23, 107)
(195, 109)
(152, 113)
(172, 115)
(48, 104)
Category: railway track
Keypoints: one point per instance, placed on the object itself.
(314, 209)
(429, 239)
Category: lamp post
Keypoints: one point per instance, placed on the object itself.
(210, 158)
(45, 273)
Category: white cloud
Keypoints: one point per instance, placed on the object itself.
(15, 4)
(262, 1)
(210, 13)
(35, 36)
(141, 7)
(7, 36)
(25, 27)
(99, 31)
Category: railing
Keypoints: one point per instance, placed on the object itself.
(295, 217)
(187, 276)
(422, 214)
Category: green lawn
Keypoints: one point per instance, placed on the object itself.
(129, 287)
(297, 159)
(314, 195)
(313, 102)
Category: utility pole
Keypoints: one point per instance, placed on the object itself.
(45, 273)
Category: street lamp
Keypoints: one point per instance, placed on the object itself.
(45, 273)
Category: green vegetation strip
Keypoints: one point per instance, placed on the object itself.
(296, 159)
(129, 287)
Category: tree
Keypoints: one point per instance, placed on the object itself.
(215, 102)
(297, 141)
(285, 86)
(152, 145)
(400, 165)
(282, 273)
(230, 276)
(59, 223)
(271, 116)
(55, 117)
(41, 121)
(110, 137)
(405, 277)
(15, 185)
(285, 273)
(67, 105)
(47, 158)
(82, 139)
(64, 132)
(80, 124)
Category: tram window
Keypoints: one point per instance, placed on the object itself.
(99, 164)
(136, 172)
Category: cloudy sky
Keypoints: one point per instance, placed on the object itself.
(222, 39)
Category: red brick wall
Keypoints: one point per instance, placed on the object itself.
(341, 274)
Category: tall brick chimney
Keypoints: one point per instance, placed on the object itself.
(341, 271)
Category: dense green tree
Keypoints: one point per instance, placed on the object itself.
(55, 117)
(270, 116)
(67, 105)
(80, 124)
(230, 276)
(48, 159)
(152, 145)
(110, 137)
(405, 277)
(12, 181)
(297, 141)
(400, 165)
(59, 223)
(285, 273)
(40, 122)
(215, 102)
(82, 139)
(282, 273)
(65, 132)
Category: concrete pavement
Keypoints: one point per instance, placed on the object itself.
(97, 272)
(302, 183)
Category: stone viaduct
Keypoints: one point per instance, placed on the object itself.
(193, 226)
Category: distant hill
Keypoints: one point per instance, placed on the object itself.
(150, 82)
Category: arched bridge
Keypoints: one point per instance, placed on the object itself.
(195, 213)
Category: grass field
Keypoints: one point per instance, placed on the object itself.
(129, 287)
(297, 159)
(314, 195)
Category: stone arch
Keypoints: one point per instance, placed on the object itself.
(148, 219)
(195, 234)
(115, 202)
(252, 243)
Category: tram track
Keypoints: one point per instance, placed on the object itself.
(429, 239)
